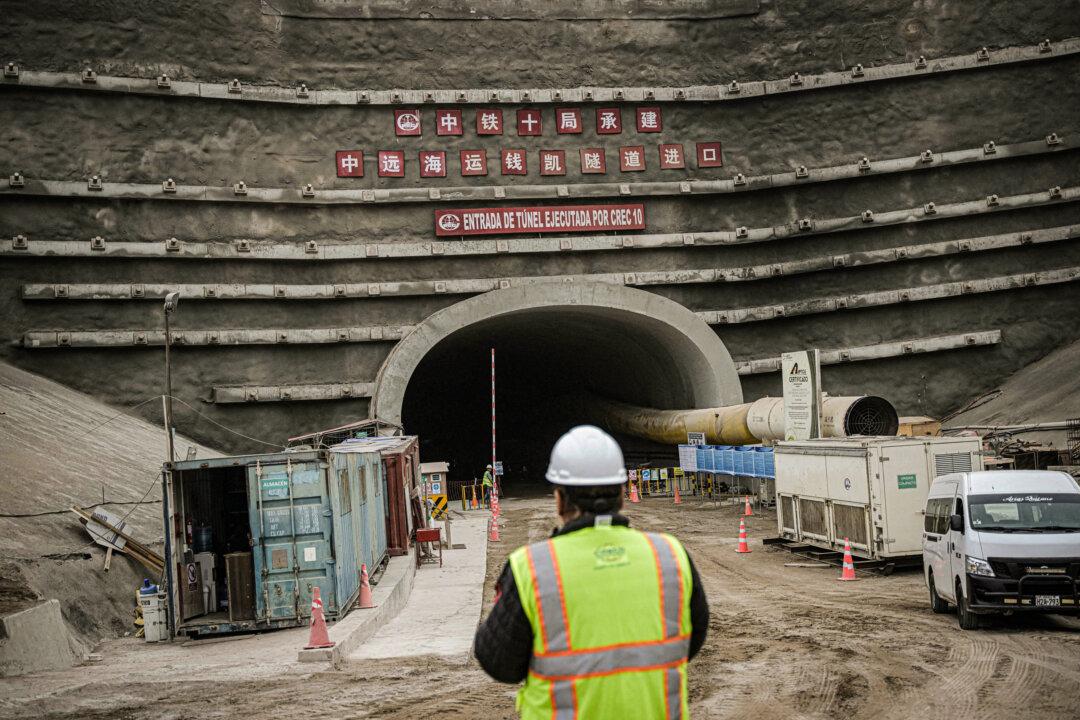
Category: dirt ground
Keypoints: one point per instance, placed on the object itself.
(784, 642)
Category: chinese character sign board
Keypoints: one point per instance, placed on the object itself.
(552, 162)
(564, 218)
(473, 162)
(432, 163)
(709, 155)
(648, 120)
(350, 163)
(489, 121)
(529, 122)
(407, 122)
(391, 163)
(608, 121)
(448, 122)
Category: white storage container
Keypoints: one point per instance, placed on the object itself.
(155, 623)
(871, 490)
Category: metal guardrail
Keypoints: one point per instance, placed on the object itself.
(890, 297)
(168, 191)
(236, 91)
(265, 291)
(878, 351)
(20, 245)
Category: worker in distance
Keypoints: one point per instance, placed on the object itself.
(600, 620)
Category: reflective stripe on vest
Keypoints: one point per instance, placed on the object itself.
(561, 665)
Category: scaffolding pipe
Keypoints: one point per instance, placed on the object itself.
(746, 424)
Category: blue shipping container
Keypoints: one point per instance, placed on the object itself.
(282, 524)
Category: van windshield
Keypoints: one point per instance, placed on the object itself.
(1025, 512)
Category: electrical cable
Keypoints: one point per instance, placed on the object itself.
(226, 428)
(86, 507)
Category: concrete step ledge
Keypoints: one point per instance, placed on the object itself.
(389, 596)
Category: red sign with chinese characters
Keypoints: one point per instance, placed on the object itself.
(568, 121)
(672, 157)
(649, 119)
(432, 163)
(489, 121)
(632, 158)
(391, 163)
(513, 162)
(473, 162)
(552, 162)
(529, 123)
(407, 122)
(709, 155)
(350, 163)
(593, 161)
(557, 218)
(608, 121)
(448, 122)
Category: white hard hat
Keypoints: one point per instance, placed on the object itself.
(488, 467)
(586, 456)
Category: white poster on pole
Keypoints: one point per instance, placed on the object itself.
(802, 394)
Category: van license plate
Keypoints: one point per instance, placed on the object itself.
(1047, 601)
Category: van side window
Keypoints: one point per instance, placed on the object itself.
(936, 519)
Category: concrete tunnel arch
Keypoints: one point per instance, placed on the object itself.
(666, 356)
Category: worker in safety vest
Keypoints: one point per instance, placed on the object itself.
(487, 482)
(600, 620)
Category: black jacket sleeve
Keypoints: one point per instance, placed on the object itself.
(699, 611)
(504, 641)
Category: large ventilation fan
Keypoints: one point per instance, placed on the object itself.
(871, 415)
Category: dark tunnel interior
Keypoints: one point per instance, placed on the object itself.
(548, 361)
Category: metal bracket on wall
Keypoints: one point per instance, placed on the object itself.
(306, 195)
(878, 351)
(229, 394)
(815, 306)
(587, 243)
(273, 336)
(235, 91)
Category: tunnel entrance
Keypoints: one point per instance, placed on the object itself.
(555, 346)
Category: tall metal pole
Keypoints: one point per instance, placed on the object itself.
(168, 384)
(494, 476)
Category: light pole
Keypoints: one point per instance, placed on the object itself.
(171, 301)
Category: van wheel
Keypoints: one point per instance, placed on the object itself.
(938, 605)
(968, 620)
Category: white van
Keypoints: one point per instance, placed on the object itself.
(1002, 541)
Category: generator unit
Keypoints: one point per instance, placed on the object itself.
(870, 490)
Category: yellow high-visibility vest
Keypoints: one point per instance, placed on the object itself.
(610, 612)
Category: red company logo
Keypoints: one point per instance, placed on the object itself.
(449, 222)
(407, 122)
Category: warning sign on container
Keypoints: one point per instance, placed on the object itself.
(564, 218)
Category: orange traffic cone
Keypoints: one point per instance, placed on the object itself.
(474, 497)
(319, 638)
(678, 498)
(633, 493)
(364, 601)
(849, 564)
(493, 530)
(747, 510)
(743, 547)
